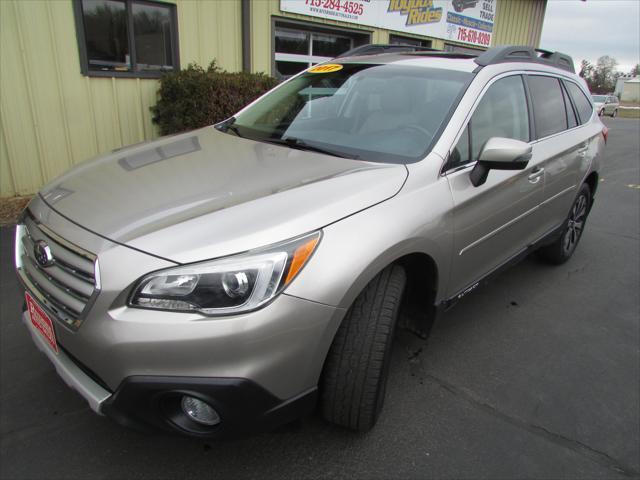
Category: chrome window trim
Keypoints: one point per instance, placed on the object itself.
(490, 82)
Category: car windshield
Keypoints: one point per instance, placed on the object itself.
(383, 113)
(598, 98)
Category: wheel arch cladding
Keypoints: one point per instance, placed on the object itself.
(418, 308)
(592, 182)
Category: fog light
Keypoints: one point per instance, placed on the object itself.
(199, 411)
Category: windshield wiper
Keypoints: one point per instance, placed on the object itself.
(302, 145)
(227, 125)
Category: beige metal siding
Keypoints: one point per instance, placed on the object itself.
(519, 22)
(52, 117)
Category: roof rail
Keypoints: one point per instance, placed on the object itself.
(376, 48)
(511, 53)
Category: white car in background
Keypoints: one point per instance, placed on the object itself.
(606, 104)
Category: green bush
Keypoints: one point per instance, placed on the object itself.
(195, 97)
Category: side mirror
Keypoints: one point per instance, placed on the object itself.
(500, 154)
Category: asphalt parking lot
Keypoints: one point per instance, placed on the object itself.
(535, 375)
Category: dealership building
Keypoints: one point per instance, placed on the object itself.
(78, 76)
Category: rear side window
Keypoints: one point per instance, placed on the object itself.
(548, 105)
(580, 100)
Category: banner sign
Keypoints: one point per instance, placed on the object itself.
(464, 21)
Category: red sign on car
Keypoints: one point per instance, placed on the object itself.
(41, 322)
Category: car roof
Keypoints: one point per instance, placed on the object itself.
(510, 57)
(444, 60)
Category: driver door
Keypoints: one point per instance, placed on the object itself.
(496, 220)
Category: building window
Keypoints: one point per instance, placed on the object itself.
(416, 42)
(453, 48)
(130, 38)
(298, 48)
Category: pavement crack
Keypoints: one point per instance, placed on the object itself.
(578, 447)
(33, 427)
(615, 234)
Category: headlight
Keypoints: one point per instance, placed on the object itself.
(229, 285)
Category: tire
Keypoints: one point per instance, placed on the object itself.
(601, 112)
(614, 114)
(355, 374)
(562, 249)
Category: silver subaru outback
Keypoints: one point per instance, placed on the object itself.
(230, 278)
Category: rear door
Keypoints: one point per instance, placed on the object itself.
(496, 220)
(561, 141)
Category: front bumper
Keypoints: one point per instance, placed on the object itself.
(142, 402)
(69, 371)
(279, 349)
(147, 402)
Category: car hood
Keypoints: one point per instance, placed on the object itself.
(206, 193)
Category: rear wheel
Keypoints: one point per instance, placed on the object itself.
(355, 373)
(561, 249)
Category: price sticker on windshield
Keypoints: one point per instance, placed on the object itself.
(326, 68)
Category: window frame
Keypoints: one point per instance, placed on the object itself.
(424, 42)
(82, 41)
(358, 37)
(571, 105)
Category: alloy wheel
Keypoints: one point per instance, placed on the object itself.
(575, 224)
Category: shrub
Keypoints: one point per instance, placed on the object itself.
(195, 97)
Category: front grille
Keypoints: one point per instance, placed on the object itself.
(67, 286)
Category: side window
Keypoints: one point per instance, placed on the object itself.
(502, 112)
(460, 154)
(580, 100)
(548, 105)
(571, 115)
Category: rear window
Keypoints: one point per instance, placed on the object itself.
(548, 105)
(580, 100)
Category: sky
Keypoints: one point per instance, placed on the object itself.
(593, 28)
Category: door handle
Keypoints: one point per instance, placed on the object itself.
(536, 175)
(582, 151)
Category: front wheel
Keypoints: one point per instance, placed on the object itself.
(614, 113)
(561, 249)
(355, 373)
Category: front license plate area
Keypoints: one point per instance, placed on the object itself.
(41, 321)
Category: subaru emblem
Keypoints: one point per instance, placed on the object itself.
(42, 252)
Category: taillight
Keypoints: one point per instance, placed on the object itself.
(605, 133)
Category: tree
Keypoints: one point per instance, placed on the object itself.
(602, 76)
(635, 71)
(586, 69)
